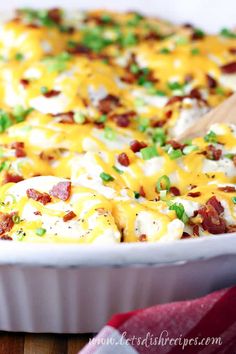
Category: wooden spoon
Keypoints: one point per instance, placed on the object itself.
(224, 113)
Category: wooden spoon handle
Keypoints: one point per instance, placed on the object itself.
(224, 113)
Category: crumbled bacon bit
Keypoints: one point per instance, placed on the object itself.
(6, 238)
(227, 189)
(66, 118)
(232, 50)
(175, 191)
(61, 190)
(214, 202)
(123, 159)
(142, 238)
(195, 93)
(19, 149)
(231, 228)
(168, 114)
(79, 49)
(211, 82)
(37, 212)
(159, 123)
(229, 68)
(51, 93)
(212, 153)
(185, 235)
(69, 216)
(194, 194)
(99, 125)
(175, 144)
(6, 223)
(43, 198)
(24, 82)
(142, 192)
(55, 15)
(10, 178)
(152, 36)
(136, 145)
(43, 156)
(108, 104)
(122, 120)
(196, 230)
(174, 99)
(211, 220)
(197, 35)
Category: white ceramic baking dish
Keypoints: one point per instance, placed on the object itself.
(74, 288)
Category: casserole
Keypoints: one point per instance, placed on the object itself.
(116, 273)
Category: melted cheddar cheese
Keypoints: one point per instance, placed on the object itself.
(91, 105)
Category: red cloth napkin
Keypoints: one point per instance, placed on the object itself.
(206, 325)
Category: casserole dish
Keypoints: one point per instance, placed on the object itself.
(76, 288)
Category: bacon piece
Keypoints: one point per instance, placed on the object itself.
(37, 212)
(227, 189)
(214, 202)
(123, 159)
(123, 120)
(66, 118)
(229, 68)
(175, 144)
(232, 50)
(61, 190)
(24, 83)
(51, 93)
(212, 153)
(211, 82)
(185, 235)
(160, 123)
(108, 104)
(174, 99)
(99, 125)
(168, 114)
(19, 149)
(152, 36)
(6, 238)
(79, 49)
(195, 93)
(142, 238)
(43, 198)
(175, 191)
(10, 178)
(136, 145)
(142, 192)
(69, 216)
(6, 223)
(55, 15)
(196, 230)
(194, 194)
(212, 221)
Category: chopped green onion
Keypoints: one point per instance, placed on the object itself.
(195, 51)
(180, 211)
(159, 136)
(43, 90)
(40, 231)
(219, 91)
(106, 18)
(163, 183)
(134, 68)
(175, 154)
(143, 124)
(4, 165)
(139, 102)
(58, 62)
(16, 219)
(199, 32)
(136, 195)
(5, 121)
(165, 51)
(20, 113)
(234, 200)
(117, 170)
(79, 118)
(181, 40)
(135, 20)
(128, 40)
(160, 93)
(149, 152)
(109, 133)
(174, 85)
(72, 44)
(188, 149)
(102, 118)
(225, 32)
(106, 177)
(19, 56)
(229, 156)
(211, 137)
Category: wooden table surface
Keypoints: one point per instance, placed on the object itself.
(24, 343)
